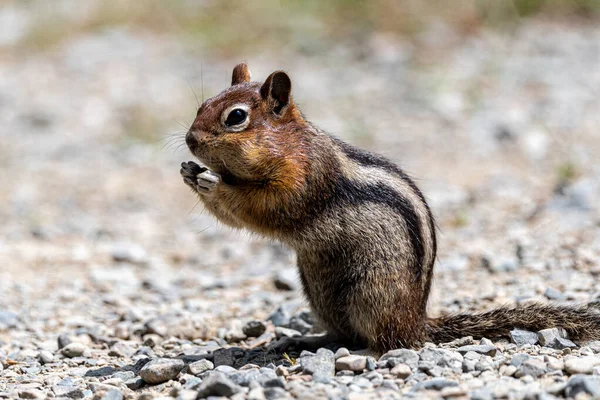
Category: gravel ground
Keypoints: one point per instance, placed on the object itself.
(115, 284)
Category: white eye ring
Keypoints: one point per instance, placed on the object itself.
(241, 126)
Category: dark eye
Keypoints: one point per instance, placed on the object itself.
(236, 117)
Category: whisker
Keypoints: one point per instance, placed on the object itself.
(208, 227)
(192, 89)
(183, 125)
(172, 140)
(171, 135)
(202, 81)
(195, 205)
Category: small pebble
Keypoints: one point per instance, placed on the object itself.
(402, 371)
(522, 337)
(46, 357)
(481, 349)
(342, 352)
(74, 349)
(161, 370)
(254, 328)
(217, 385)
(351, 363)
(581, 365)
(548, 336)
(286, 332)
(200, 366)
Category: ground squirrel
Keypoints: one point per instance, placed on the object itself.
(363, 233)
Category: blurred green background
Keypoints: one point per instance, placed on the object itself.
(233, 27)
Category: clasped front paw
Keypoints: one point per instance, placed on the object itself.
(199, 178)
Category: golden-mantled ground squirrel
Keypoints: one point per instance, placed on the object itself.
(363, 233)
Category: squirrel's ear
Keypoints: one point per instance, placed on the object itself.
(241, 73)
(276, 91)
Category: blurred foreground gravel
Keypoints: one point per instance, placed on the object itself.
(115, 285)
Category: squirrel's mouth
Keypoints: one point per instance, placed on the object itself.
(217, 166)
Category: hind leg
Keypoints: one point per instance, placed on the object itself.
(387, 322)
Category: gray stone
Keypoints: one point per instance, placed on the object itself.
(46, 357)
(286, 279)
(113, 394)
(583, 384)
(123, 375)
(321, 365)
(246, 377)
(299, 325)
(482, 394)
(352, 363)
(223, 357)
(532, 367)
(217, 385)
(594, 345)
(276, 393)
(254, 328)
(484, 366)
(123, 330)
(63, 340)
(518, 359)
(235, 335)
(158, 326)
(281, 371)
(435, 384)
(74, 349)
(477, 348)
(225, 368)
(554, 294)
(561, 343)
(286, 332)
(548, 336)
(401, 356)
(72, 392)
(342, 352)
(469, 364)
(161, 370)
(8, 320)
(128, 252)
(362, 382)
(375, 377)
(274, 382)
(120, 349)
(32, 394)
(581, 365)
(442, 358)
(371, 365)
(200, 366)
(31, 370)
(279, 317)
(256, 393)
(402, 371)
(521, 337)
(390, 385)
(191, 382)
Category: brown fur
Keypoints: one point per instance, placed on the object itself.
(363, 233)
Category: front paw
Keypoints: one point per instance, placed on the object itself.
(201, 179)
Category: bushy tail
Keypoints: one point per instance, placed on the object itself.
(581, 322)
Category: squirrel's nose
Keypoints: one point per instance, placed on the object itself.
(191, 141)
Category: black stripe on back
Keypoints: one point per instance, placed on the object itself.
(353, 193)
(367, 159)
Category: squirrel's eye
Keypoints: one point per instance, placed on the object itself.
(236, 117)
